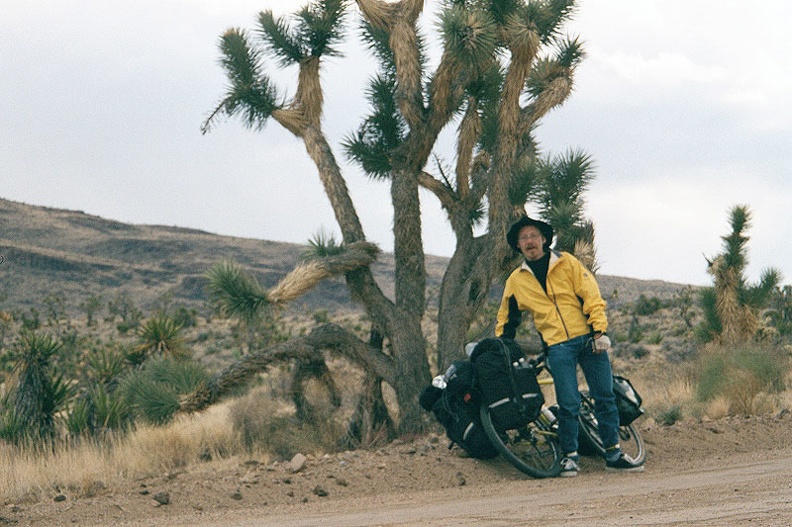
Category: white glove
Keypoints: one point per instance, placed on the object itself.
(601, 344)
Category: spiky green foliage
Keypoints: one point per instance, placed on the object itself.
(732, 306)
(318, 29)
(153, 391)
(376, 40)
(104, 365)
(565, 178)
(550, 17)
(236, 294)
(161, 334)
(711, 326)
(250, 91)
(526, 183)
(381, 132)
(322, 245)
(558, 184)
(758, 295)
(471, 36)
(99, 411)
(734, 253)
(39, 392)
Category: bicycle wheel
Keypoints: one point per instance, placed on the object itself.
(589, 440)
(532, 449)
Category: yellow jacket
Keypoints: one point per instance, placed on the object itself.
(571, 307)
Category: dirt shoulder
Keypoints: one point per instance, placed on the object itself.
(724, 472)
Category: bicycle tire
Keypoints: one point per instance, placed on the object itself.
(589, 440)
(532, 449)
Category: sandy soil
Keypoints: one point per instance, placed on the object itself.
(725, 472)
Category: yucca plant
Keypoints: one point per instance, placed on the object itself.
(99, 408)
(38, 393)
(97, 413)
(104, 365)
(161, 335)
(78, 418)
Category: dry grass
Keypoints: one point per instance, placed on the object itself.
(211, 437)
(678, 390)
(675, 386)
(84, 469)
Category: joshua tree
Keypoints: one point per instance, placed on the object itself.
(504, 66)
(731, 307)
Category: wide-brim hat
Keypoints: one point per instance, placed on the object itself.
(514, 231)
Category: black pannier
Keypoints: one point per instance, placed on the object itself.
(456, 407)
(507, 383)
(627, 400)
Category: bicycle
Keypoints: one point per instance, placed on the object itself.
(533, 448)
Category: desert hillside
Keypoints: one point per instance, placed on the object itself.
(48, 250)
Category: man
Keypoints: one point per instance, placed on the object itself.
(569, 314)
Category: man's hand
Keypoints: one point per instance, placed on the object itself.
(601, 343)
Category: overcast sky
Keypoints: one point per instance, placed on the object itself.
(683, 105)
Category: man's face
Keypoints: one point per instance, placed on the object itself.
(531, 242)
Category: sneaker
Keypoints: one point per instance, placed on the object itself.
(569, 468)
(623, 464)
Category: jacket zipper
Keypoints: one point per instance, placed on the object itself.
(558, 311)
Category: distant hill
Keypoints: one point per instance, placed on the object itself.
(46, 250)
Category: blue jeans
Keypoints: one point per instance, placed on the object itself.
(563, 359)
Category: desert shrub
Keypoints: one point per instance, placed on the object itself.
(186, 317)
(780, 312)
(105, 364)
(639, 352)
(55, 304)
(647, 306)
(32, 321)
(742, 374)
(670, 415)
(635, 333)
(629, 351)
(91, 307)
(280, 434)
(683, 302)
(678, 350)
(321, 316)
